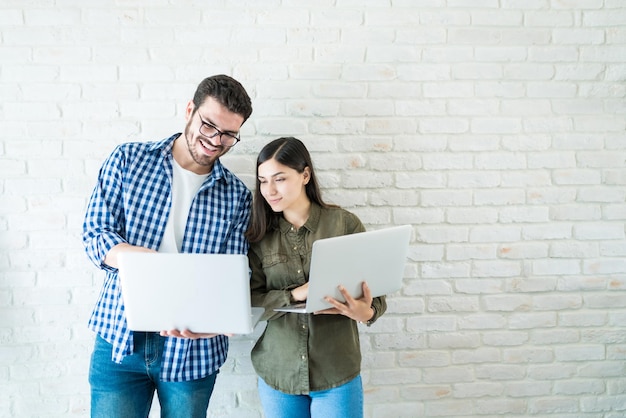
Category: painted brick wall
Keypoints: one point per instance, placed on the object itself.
(495, 127)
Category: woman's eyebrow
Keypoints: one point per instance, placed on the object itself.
(273, 175)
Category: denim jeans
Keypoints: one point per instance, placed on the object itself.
(345, 401)
(126, 390)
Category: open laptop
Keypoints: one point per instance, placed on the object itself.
(376, 257)
(205, 293)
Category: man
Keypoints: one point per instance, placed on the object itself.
(173, 195)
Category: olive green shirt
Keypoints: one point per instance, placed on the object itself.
(302, 353)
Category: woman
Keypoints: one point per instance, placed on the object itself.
(308, 364)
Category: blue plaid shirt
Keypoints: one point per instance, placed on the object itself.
(130, 204)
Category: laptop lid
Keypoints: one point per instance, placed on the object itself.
(205, 293)
(377, 257)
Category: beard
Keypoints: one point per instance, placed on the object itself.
(193, 142)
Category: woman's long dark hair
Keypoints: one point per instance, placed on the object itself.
(292, 153)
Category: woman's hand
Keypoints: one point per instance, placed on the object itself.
(188, 334)
(358, 309)
(299, 294)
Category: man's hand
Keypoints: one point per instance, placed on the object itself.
(111, 257)
(188, 334)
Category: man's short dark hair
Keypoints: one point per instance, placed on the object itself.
(227, 91)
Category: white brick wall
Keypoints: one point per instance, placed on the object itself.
(498, 130)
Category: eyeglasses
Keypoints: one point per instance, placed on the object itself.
(209, 130)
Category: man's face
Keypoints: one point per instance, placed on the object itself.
(202, 150)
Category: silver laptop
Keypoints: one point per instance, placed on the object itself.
(204, 293)
(377, 257)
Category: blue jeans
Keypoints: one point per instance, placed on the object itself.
(345, 401)
(126, 390)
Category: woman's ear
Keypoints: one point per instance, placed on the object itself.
(306, 175)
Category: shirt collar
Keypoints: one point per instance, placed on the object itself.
(311, 224)
(165, 148)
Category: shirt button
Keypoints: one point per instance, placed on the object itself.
(295, 248)
(303, 357)
(303, 326)
(299, 271)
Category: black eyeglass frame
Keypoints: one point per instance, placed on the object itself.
(217, 133)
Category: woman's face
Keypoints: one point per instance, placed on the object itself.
(282, 187)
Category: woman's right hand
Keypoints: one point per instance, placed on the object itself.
(299, 294)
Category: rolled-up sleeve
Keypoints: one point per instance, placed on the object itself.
(104, 218)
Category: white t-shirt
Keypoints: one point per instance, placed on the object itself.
(185, 185)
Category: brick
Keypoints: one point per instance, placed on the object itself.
(523, 251)
(372, 38)
(553, 372)
(615, 212)
(500, 406)
(549, 18)
(531, 107)
(52, 16)
(481, 321)
(532, 320)
(453, 89)
(399, 342)
(507, 89)
(366, 108)
(394, 377)
(602, 159)
(499, 196)
(485, 234)
(477, 389)
(598, 231)
(471, 216)
(444, 17)
(389, 125)
(453, 304)
(471, 179)
(500, 54)
(604, 18)
(394, 54)
(532, 142)
(505, 338)
(421, 36)
(426, 71)
(496, 268)
(422, 143)
(531, 285)
(436, 126)
(478, 286)
(447, 375)
(30, 73)
(339, 54)
(556, 302)
(424, 358)
(609, 266)
(450, 408)
(589, 71)
(557, 266)
(386, 17)
(574, 250)
(578, 36)
(539, 195)
(441, 161)
(68, 54)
